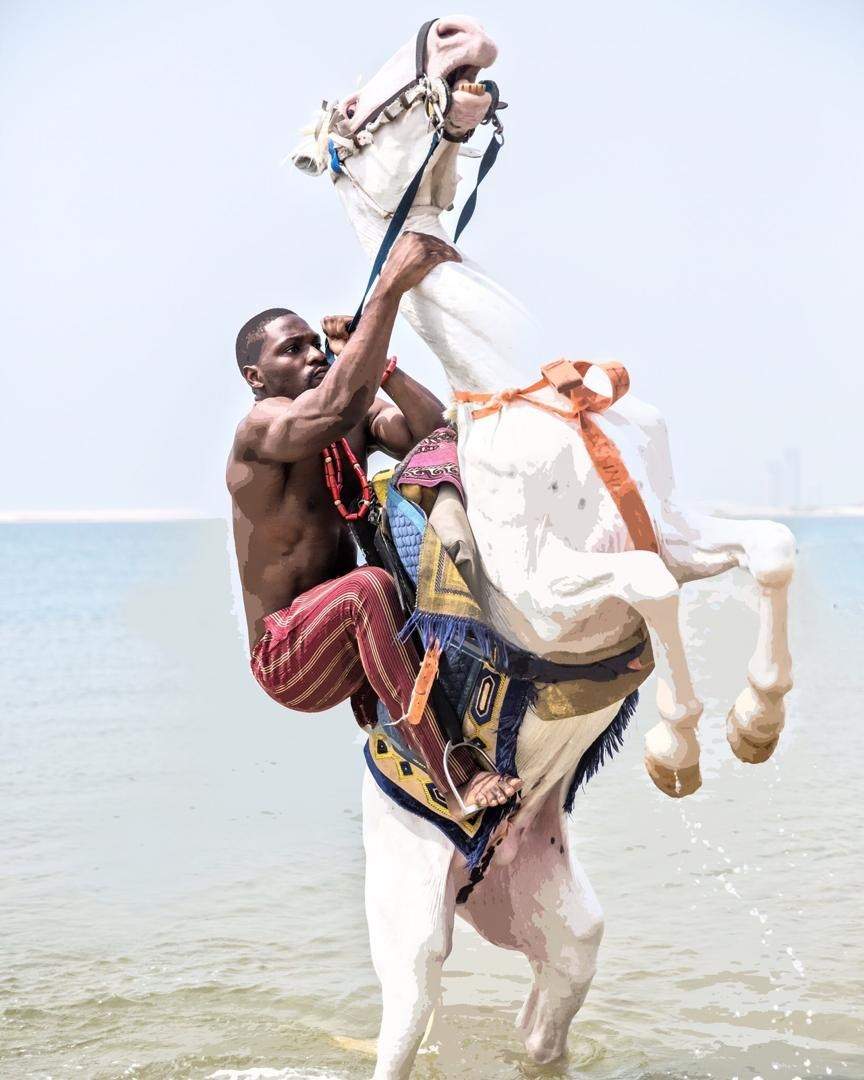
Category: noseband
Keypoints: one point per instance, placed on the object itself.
(432, 92)
(435, 94)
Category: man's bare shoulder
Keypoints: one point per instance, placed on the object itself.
(254, 426)
(246, 458)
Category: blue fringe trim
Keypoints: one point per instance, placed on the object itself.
(603, 749)
(451, 631)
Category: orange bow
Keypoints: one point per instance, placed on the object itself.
(567, 377)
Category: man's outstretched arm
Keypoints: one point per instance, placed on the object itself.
(285, 429)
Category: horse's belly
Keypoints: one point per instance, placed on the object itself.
(548, 750)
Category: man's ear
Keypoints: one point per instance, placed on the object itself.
(252, 376)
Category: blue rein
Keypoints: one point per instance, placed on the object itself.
(400, 214)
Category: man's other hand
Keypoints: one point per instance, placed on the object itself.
(412, 257)
(335, 329)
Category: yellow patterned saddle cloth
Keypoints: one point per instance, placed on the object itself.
(480, 721)
(489, 683)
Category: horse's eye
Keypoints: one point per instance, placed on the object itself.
(349, 112)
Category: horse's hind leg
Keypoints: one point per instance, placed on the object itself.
(543, 905)
(409, 908)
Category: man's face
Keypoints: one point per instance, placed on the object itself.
(290, 360)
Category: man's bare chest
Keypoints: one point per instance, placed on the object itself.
(303, 487)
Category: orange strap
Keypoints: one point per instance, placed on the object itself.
(566, 376)
(423, 684)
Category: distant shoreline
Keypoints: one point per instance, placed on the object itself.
(146, 516)
(730, 510)
(101, 517)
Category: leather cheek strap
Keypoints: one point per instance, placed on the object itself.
(420, 52)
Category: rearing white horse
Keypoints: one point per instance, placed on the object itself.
(558, 574)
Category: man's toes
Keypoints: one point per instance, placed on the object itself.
(491, 789)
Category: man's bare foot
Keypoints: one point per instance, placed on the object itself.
(486, 789)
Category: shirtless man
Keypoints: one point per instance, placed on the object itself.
(322, 629)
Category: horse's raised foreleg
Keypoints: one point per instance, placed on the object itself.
(671, 747)
(695, 546)
(409, 908)
(542, 904)
(698, 543)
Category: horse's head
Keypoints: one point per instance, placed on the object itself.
(378, 136)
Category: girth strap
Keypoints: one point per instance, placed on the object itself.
(523, 665)
(567, 377)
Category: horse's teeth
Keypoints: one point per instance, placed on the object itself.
(477, 89)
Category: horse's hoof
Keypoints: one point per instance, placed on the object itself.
(744, 746)
(676, 783)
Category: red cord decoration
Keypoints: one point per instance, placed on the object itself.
(332, 456)
(333, 476)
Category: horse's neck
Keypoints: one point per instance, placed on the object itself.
(483, 337)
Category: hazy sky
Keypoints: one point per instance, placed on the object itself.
(681, 188)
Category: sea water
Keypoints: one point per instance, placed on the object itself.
(182, 866)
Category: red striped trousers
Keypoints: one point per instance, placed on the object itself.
(340, 640)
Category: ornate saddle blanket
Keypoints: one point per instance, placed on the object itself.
(485, 684)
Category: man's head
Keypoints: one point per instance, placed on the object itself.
(279, 354)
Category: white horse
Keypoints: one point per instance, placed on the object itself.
(558, 573)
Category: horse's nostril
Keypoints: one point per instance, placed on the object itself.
(448, 30)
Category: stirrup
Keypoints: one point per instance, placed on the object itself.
(467, 811)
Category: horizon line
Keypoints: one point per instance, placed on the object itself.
(85, 517)
(143, 515)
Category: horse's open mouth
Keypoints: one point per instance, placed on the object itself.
(469, 100)
(465, 73)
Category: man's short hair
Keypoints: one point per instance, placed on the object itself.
(248, 347)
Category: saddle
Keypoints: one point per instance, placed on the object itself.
(481, 685)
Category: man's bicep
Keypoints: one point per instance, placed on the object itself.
(389, 429)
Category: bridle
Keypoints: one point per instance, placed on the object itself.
(435, 95)
(432, 92)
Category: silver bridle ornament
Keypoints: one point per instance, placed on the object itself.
(329, 143)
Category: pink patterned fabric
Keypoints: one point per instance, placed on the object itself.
(432, 462)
